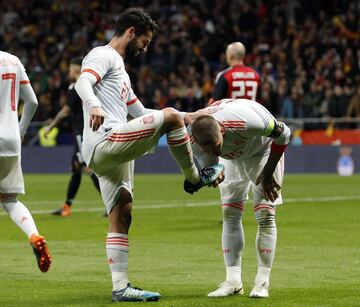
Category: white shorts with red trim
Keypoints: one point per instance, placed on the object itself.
(11, 177)
(112, 179)
(113, 158)
(241, 175)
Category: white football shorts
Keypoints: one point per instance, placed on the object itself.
(113, 158)
(11, 177)
(241, 175)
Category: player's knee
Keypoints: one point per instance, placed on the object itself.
(232, 213)
(172, 118)
(265, 217)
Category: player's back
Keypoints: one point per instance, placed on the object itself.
(246, 123)
(12, 73)
(238, 81)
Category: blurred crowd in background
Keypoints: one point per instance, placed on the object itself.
(306, 52)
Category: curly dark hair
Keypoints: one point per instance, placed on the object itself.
(137, 18)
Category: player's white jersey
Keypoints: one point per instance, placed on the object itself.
(247, 125)
(12, 75)
(113, 90)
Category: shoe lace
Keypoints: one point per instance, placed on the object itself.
(133, 292)
(208, 172)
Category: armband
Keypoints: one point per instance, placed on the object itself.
(277, 130)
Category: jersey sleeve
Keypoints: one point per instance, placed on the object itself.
(97, 62)
(221, 87)
(23, 77)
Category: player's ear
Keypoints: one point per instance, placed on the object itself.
(131, 33)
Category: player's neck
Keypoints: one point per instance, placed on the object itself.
(118, 44)
(234, 63)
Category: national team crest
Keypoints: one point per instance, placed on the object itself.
(149, 119)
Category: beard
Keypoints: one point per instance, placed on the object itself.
(131, 51)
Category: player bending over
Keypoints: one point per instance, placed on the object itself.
(250, 143)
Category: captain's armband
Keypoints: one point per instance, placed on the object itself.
(277, 130)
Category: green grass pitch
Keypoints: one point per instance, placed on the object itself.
(175, 245)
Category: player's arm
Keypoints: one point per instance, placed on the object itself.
(64, 112)
(280, 133)
(30, 106)
(84, 88)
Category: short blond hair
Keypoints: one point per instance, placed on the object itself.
(205, 130)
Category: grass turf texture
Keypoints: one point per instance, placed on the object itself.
(175, 245)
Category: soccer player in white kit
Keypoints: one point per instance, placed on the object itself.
(14, 83)
(111, 143)
(250, 143)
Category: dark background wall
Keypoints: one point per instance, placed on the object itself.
(298, 159)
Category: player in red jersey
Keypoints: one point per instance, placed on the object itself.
(238, 80)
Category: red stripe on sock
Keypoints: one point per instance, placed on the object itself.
(237, 205)
(263, 206)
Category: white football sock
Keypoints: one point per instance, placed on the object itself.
(265, 240)
(21, 216)
(117, 251)
(180, 148)
(232, 239)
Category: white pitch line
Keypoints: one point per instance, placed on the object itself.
(177, 204)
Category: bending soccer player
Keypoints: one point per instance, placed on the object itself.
(15, 83)
(250, 143)
(111, 143)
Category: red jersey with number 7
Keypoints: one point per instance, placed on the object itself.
(238, 81)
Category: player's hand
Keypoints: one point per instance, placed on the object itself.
(269, 186)
(96, 118)
(219, 180)
(47, 130)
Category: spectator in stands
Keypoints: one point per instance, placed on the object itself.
(292, 105)
(324, 46)
(353, 109)
(312, 100)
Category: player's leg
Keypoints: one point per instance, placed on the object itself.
(83, 166)
(180, 148)
(11, 183)
(265, 244)
(179, 144)
(266, 236)
(73, 187)
(233, 195)
(94, 179)
(116, 188)
(141, 136)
